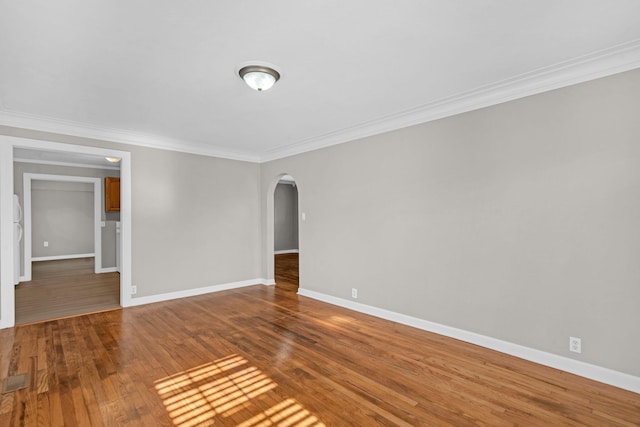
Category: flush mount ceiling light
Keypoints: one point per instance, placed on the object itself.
(113, 159)
(259, 77)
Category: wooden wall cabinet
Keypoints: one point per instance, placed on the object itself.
(112, 194)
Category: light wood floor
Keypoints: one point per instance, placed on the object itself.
(65, 288)
(261, 356)
(286, 272)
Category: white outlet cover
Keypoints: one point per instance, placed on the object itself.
(575, 345)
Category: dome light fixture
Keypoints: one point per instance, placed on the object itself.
(113, 159)
(259, 77)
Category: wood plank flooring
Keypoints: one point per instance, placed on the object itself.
(260, 356)
(286, 271)
(65, 288)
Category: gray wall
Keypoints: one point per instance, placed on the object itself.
(518, 221)
(20, 168)
(285, 216)
(62, 215)
(195, 219)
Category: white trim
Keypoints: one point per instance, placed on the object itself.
(97, 216)
(125, 228)
(26, 219)
(597, 373)
(85, 130)
(109, 270)
(268, 282)
(606, 62)
(7, 143)
(194, 292)
(68, 164)
(7, 287)
(286, 251)
(59, 257)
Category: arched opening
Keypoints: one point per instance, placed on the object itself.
(283, 233)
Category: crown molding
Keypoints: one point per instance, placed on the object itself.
(66, 127)
(614, 60)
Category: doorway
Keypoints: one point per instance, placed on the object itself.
(56, 153)
(286, 247)
(65, 239)
(60, 207)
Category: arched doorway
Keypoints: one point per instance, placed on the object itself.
(284, 248)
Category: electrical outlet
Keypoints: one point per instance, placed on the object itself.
(575, 345)
(354, 293)
(134, 289)
(46, 244)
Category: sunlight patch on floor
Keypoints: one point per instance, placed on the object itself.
(286, 413)
(228, 388)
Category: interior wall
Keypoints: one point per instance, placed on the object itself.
(518, 221)
(108, 240)
(285, 199)
(63, 217)
(195, 219)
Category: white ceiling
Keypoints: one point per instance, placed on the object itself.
(163, 73)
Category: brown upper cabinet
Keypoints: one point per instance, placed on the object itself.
(112, 194)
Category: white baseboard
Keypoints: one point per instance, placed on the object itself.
(286, 251)
(269, 282)
(593, 372)
(108, 269)
(193, 292)
(57, 257)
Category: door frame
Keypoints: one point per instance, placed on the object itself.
(7, 287)
(97, 217)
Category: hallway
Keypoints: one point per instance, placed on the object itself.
(287, 272)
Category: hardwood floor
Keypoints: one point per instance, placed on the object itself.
(261, 356)
(286, 271)
(65, 288)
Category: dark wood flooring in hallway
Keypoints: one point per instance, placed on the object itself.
(286, 271)
(65, 288)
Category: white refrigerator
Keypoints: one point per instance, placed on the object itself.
(17, 237)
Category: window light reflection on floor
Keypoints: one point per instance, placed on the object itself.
(229, 388)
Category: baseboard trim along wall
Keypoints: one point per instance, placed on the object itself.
(108, 269)
(58, 257)
(286, 251)
(194, 292)
(593, 372)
